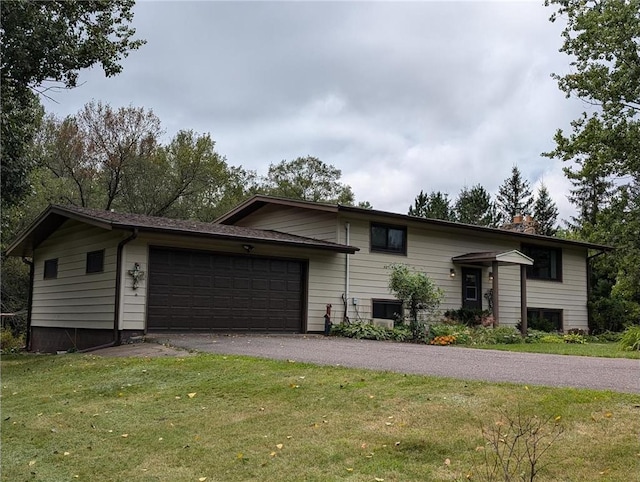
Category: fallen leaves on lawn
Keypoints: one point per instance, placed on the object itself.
(191, 395)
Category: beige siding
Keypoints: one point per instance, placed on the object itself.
(133, 307)
(75, 299)
(301, 222)
(570, 295)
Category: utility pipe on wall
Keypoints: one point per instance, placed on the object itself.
(345, 296)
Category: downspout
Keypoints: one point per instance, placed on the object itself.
(29, 301)
(345, 296)
(116, 315)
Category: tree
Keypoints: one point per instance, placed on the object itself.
(602, 150)
(307, 179)
(435, 205)
(474, 206)
(418, 293)
(514, 196)
(49, 43)
(545, 212)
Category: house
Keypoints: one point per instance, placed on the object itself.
(274, 265)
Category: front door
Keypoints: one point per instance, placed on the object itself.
(472, 288)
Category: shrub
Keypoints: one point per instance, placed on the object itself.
(443, 340)
(534, 336)
(606, 337)
(401, 332)
(630, 339)
(551, 339)
(361, 330)
(612, 314)
(540, 324)
(574, 338)
(9, 343)
(467, 316)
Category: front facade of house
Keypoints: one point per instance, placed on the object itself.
(274, 265)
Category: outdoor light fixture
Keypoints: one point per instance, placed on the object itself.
(247, 247)
(452, 273)
(490, 275)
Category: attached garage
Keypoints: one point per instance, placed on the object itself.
(200, 290)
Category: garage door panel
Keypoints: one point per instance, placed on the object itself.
(206, 291)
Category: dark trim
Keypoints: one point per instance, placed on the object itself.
(31, 265)
(477, 272)
(116, 312)
(50, 264)
(92, 261)
(52, 339)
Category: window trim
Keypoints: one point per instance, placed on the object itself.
(386, 301)
(539, 312)
(525, 250)
(90, 268)
(52, 264)
(377, 249)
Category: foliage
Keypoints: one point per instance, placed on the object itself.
(10, 342)
(516, 443)
(630, 339)
(474, 206)
(500, 335)
(551, 338)
(308, 179)
(443, 340)
(49, 43)
(602, 151)
(574, 338)
(545, 212)
(361, 330)
(418, 292)
(514, 196)
(467, 316)
(435, 205)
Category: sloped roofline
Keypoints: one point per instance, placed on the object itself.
(259, 200)
(53, 217)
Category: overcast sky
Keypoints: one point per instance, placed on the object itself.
(401, 97)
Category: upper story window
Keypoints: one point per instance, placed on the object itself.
(547, 262)
(386, 238)
(95, 261)
(51, 268)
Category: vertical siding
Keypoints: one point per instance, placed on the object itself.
(75, 299)
(134, 302)
(292, 220)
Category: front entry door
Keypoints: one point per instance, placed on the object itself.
(472, 288)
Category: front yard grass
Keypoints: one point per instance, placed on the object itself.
(605, 350)
(230, 418)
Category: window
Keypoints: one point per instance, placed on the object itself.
(547, 262)
(387, 309)
(95, 261)
(51, 268)
(389, 239)
(544, 319)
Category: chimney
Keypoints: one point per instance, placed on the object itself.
(522, 224)
(517, 219)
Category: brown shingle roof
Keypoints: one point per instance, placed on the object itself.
(54, 216)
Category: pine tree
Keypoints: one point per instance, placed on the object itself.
(545, 212)
(514, 196)
(435, 205)
(474, 206)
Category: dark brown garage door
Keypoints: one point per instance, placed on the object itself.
(197, 290)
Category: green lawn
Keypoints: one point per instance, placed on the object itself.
(229, 418)
(606, 350)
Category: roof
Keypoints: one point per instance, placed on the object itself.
(258, 201)
(53, 217)
(486, 258)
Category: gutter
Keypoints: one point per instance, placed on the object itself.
(345, 296)
(29, 301)
(116, 314)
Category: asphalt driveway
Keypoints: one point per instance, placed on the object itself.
(618, 374)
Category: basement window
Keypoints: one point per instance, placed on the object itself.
(51, 268)
(387, 309)
(95, 261)
(544, 319)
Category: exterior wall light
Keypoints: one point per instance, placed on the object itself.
(452, 273)
(490, 275)
(247, 247)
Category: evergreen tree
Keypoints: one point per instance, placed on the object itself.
(545, 212)
(514, 196)
(474, 206)
(435, 205)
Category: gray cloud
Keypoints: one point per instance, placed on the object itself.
(402, 97)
